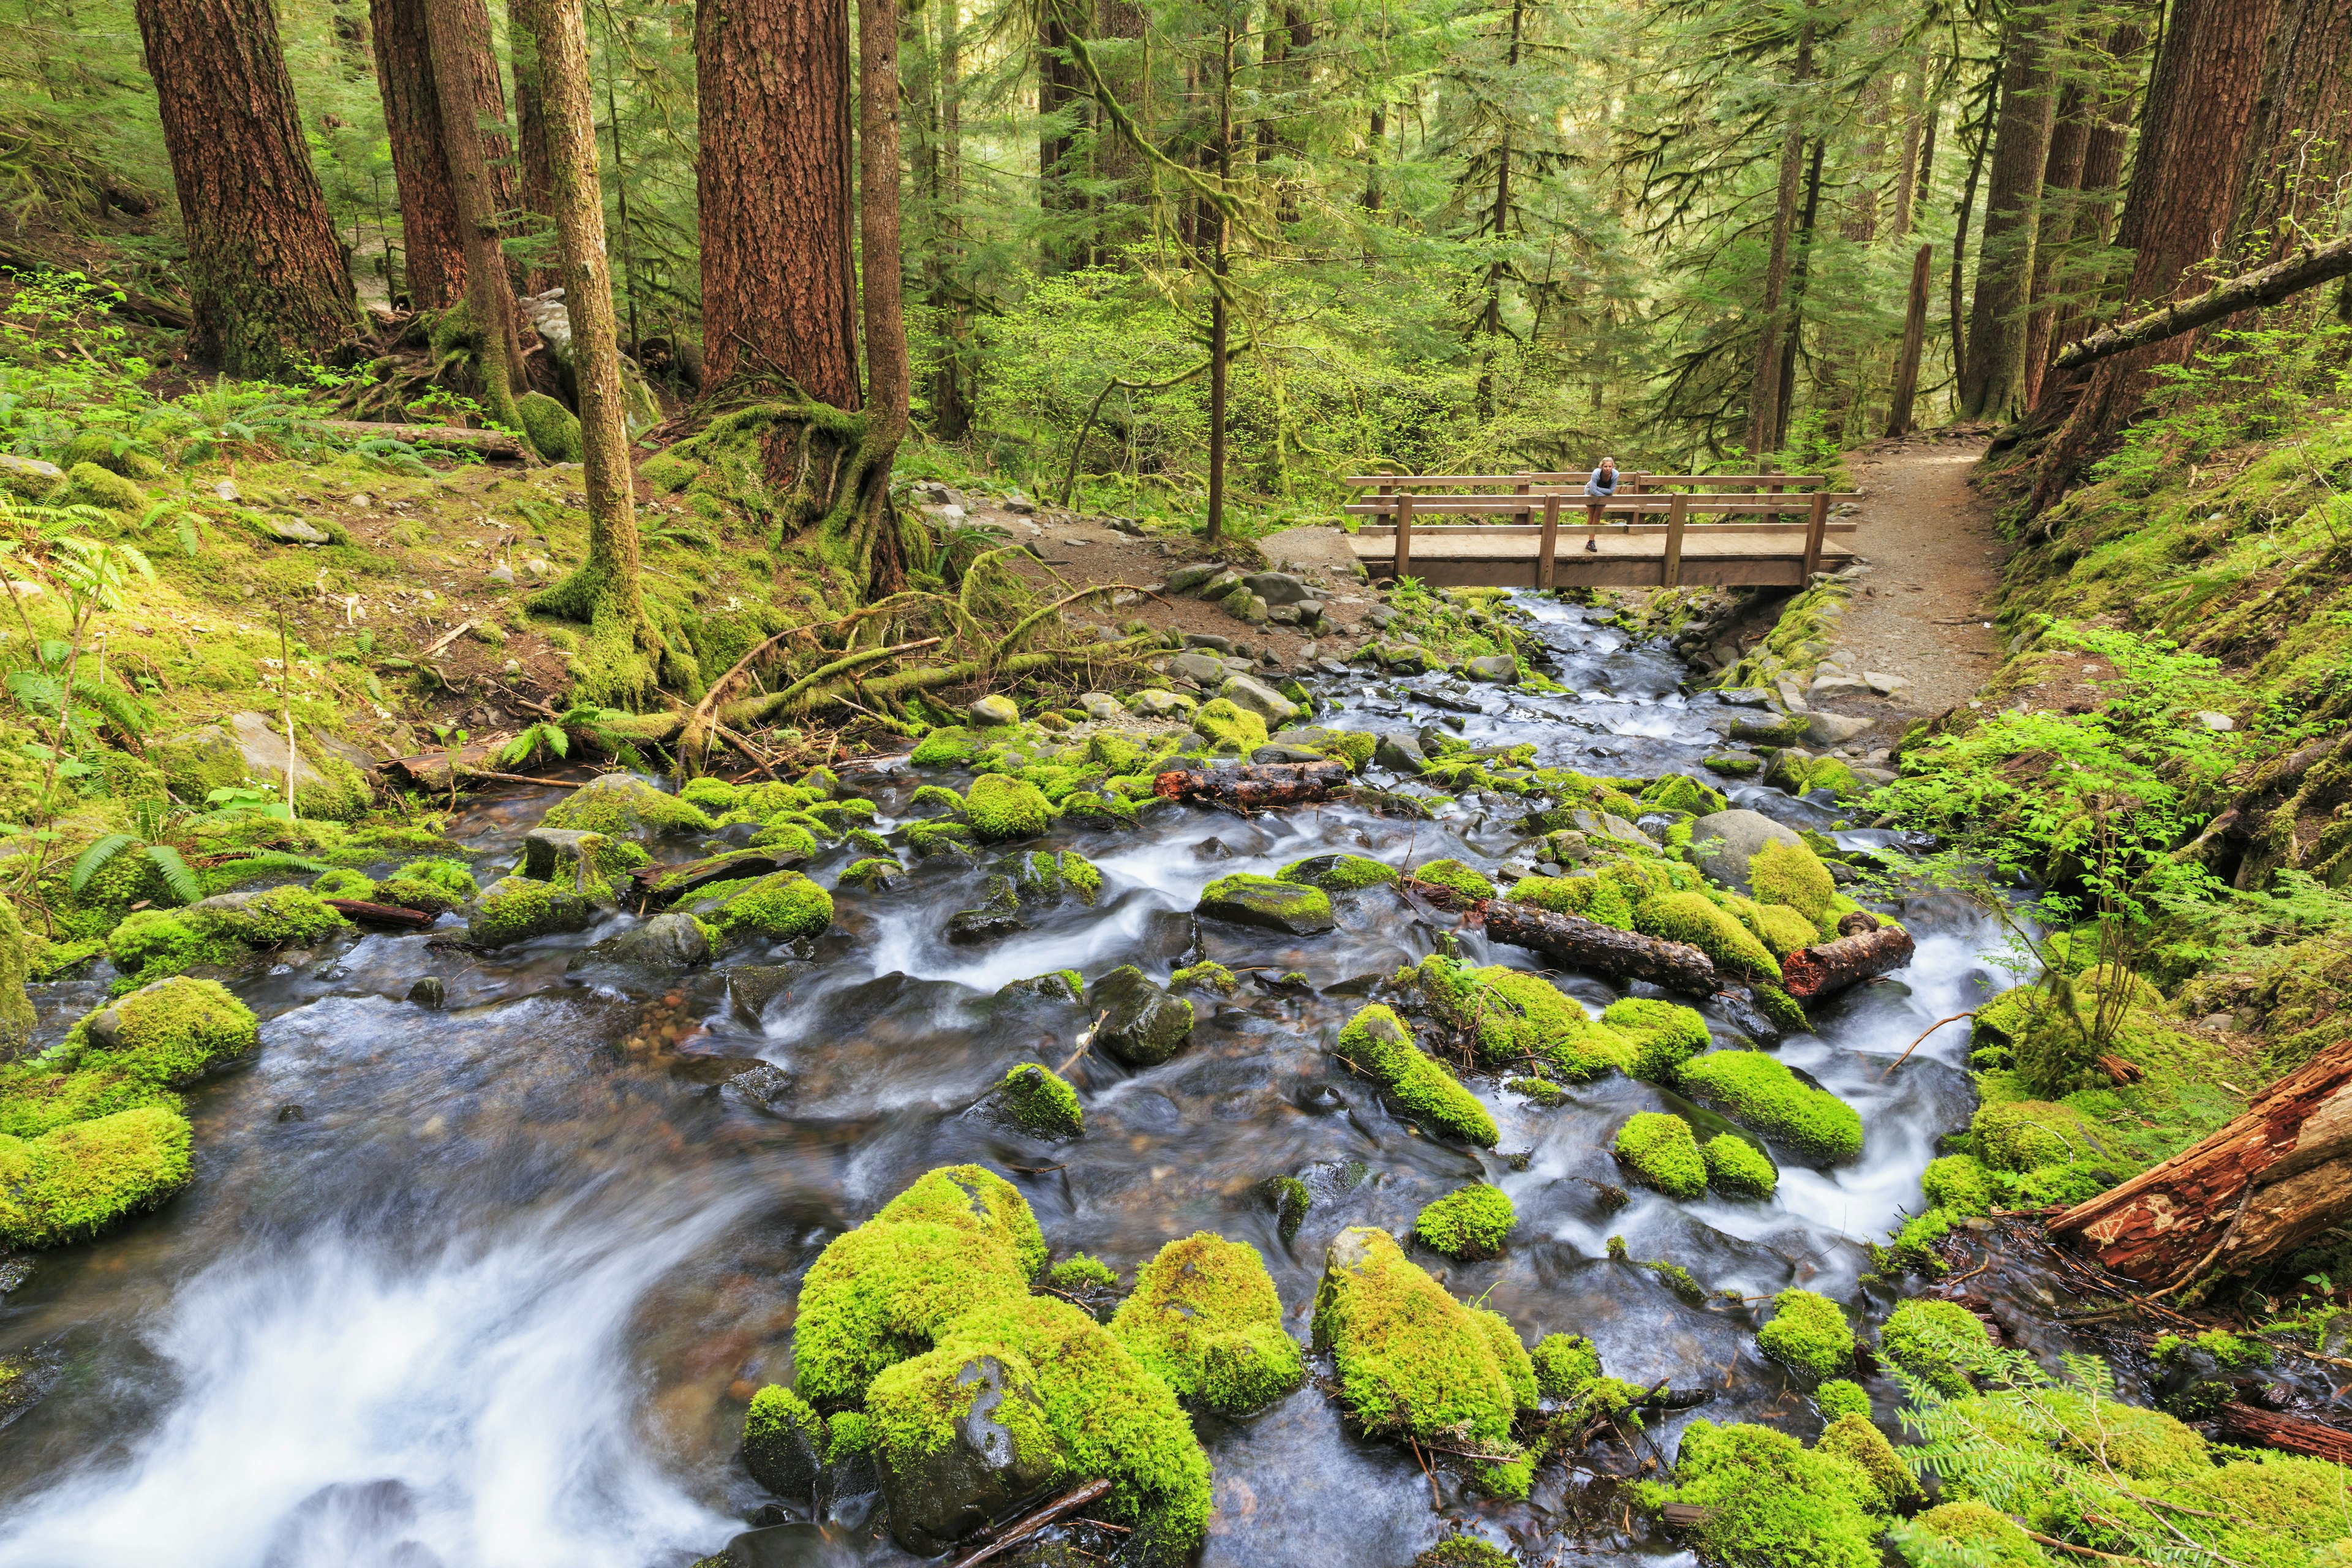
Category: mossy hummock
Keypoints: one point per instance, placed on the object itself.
(1377, 1045)
(1738, 1169)
(1808, 1332)
(1662, 1153)
(619, 805)
(1933, 1341)
(169, 1034)
(1763, 1095)
(1001, 807)
(1466, 884)
(1565, 1365)
(779, 906)
(1469, 1222)
(1040, 1100)
(783, 1438)
(1339, 873)
(1772, 1502)
(1690, 917)
(1204, 1319)
(74, 1181)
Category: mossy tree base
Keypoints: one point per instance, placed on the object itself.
(627, 659)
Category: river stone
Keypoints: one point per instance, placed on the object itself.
(1253, 695)
(429, 993)
(1184, 579)
(1102, 705)
(516, 908)
(982, 1474)
(1743, 833)
(1767, 731)
(1400, 751)
(992, 712)
(1884, 684)
(1276, 587)
(1401, 658)
(1142, 1024)
(751, 986)
(1283, 752)
(996, 915)
(244, 746)
(568, 855)
(1243, 898)
(1205, 670)
(665, 942)
(1744, 696)
(1833, 728)
(1493, 667)
(1160, 705)
(1215, 642)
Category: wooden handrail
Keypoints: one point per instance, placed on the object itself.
(1513, 505)
(1422, 529)
(1394, 481)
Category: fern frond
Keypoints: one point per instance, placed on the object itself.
(94, 858)
(176, 874)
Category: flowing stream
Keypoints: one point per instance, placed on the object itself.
(487, 1286)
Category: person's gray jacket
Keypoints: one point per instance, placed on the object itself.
(1601, 483)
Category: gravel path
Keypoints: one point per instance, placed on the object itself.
(1936, 560)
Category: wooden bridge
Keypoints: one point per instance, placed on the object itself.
(1658, 531)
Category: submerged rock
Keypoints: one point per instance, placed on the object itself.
(1244, 899)
(666, 943)
(995, 917)
(516, 908)
(1142, 1024)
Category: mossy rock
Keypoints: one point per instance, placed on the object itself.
(1598, 899)
(949, 746)
(1078, 1273)
(1002, 807)
(1512, 1014)
(784, 1442)
(168, 1034)
(1979, 1527)
(1246, 899)
(1469, 1222)
(1140, 1023)
(1764, 1096)
(1338, 873)
(1933, 1341)
(1841, 1396)
(45, 1094)
(619, 805)
(1376, 1043)
(1229, 727)
(1770, 1500)
(1808, 1332)
(1738, 1169)
(2024, 1134)
(553, 430)
(1465, 1551)
(517, 909)
(1661, 1152)
(1853, 1438)
(1412, 1362)
(1781, 928)
(1466, 884)
(1204, 1319)
(73, 1181)
(87, 484)
(1791, 875)
(1042, 1101)
(1565, 1365)
(1206, 976)
(1657, 1036)
(1957, 1184)
(779, 906)
(1693, 918)
(435, 886)
(267, 918)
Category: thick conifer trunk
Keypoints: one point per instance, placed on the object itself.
(266, 272)
(1763, 397)
(434, 255)
(604, 592)
(2201, 106)
(1058, 88)
(460, 32)
(2108, 135)
(951, 407)
(1991, 380)
(2070, 142)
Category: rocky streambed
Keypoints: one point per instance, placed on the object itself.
(495, 1280)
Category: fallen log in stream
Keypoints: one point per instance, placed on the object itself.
(1585, 944)
(1253, 786)
(1810, 973)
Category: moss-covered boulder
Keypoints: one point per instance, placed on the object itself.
(1041, 1101)
(73, 1181)
(1655, 1036)
(248, 747)
(1769, 1500)
(1338, 873)
(1204, 1319)
(1461, 884)
(1001, 807)
(1513, 1016)
(1693, 918)
(2022, 1135)
(588, 864)
(1469, 1222)
(779, 906)
(619, 805)
(1415, 1363)
(88, 484)
(1808, 1332)
(1659, 1151)
(1042, 878)
(1229, 727)
(517, 909)
(1957, 1184)
(1793, 876)
(1267, 902)
(1593, 898)
(1565, 1365)
(553, 430)
(1142, 1024)
(1855, 1440)
(1764, 1096)
(169, 1034)
(784, 1442)
(1739, 1169)
(1933, 1341)
(1377, 1045)
(435, 886)
(265, 919)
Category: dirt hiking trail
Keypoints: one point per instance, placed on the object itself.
(1937, 557)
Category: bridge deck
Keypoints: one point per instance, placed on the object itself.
(1514, 557)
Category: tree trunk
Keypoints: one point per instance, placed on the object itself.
(625, 648)
(2200, 105)
(434, 254)
(1373, 145)
(1915, 128)
(535, 191)
(779, 291)
(1120, 25)
(1058, 88)
(459, 48)
(2300, 143)
(1598, 948)
(1220, 348)
(950, 405)
(2109, 136)
(1997, 326)
(1255, 786)
(265, 274)
(1799, 265)
(1914, 342)
(2244, 1198)
(878, 561)
(2070, 141)
(1763, 415)
(1960, 240)
(2249, 1428)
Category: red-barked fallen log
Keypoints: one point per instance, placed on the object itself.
(2262, 1429)
(368, 914)
(1581, 943)
(1810, 973)
(1254, 784)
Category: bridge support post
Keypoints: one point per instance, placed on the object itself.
(1677, 514)
(1547, 559)
(1815, 527)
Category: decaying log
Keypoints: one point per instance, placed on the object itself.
(1810, 973)
(367, 914)
(489, 443)
(2261, 1428)
(1254, 784)
(2252, 1193)
(430, 770)
(1589, 945)
(667, 884)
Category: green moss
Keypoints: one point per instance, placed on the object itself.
(1469, 1222)
(1513, 1016)
(936, 799)
(553, 430)
(1772, 1503)
(1957, 1184)
(1381, 1047)
(1204, 1319)
(1931, 1340)
(948, 747)
(1205, 975)
(1916, 1242)
(781, 1433)
(1791, 874)
(1761, 1094)
(73, 1181)
(170, 1033)
(342, 883)
(1412, 1362)
(1680, 792)
(1465, 1552)
(2023, 1134)
(1041, 1101)
(1808, 1332)
(1662, 1153)
(1781, 928)
(1978, 1527)
(1080, 876)
(872, 873)
(1099, 1413)
(1464, 882)
(87, 484)
(516, 908)
(1659, 1036)
(1245, 898)
(151, 943)
(1598, 899)
(621, 807)
(711, 795)
(2229, 1350)
(40, 1095)
(1689, 917)
(1853, 1438)
(1229, 727)
(1737, 1168)
(1078, 1273)
(779, 906)
(1565, 1365)
(1840, 1396)
(1338, 873)
(275, 917)
(1002, 809)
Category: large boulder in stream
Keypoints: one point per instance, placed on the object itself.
(1142, 1024)
(622, 806)
(667, 944)
(169, 1034)
(1739, 835)
(1269, 902)
(1205, 1319)
(517, 909)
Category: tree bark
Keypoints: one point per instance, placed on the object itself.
(2061, 183)
(435, 256)
(1906, 172)
(1960, 239)
(265, 274)
(1255, 784)
(2232, 296)
(2300, 143)
(1810, 973)
(1598, 948)
(535, 189)
(1763, 414)
(779, 292)
(950, 406)
(2109, 134)
(606, 592)
(881, 567)
(2200, 105)
(459, 33)
(2249, 1428)
(1058, 89)
(1800, 268)
(1220, 348)
(2245, 1197)
(1914, 343)
(1997, 326)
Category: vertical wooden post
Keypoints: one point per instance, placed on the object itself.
(1524, 486)
(1404, 534)
(1547, 560)
(1814, 530)
(1677, 513)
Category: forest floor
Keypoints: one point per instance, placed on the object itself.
(1926, 609)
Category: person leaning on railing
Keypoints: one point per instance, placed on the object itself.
(1600, 486)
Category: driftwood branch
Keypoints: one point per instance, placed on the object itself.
(1254, 784)
(1022, 1528)
(2249, 292)
(365, 913)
